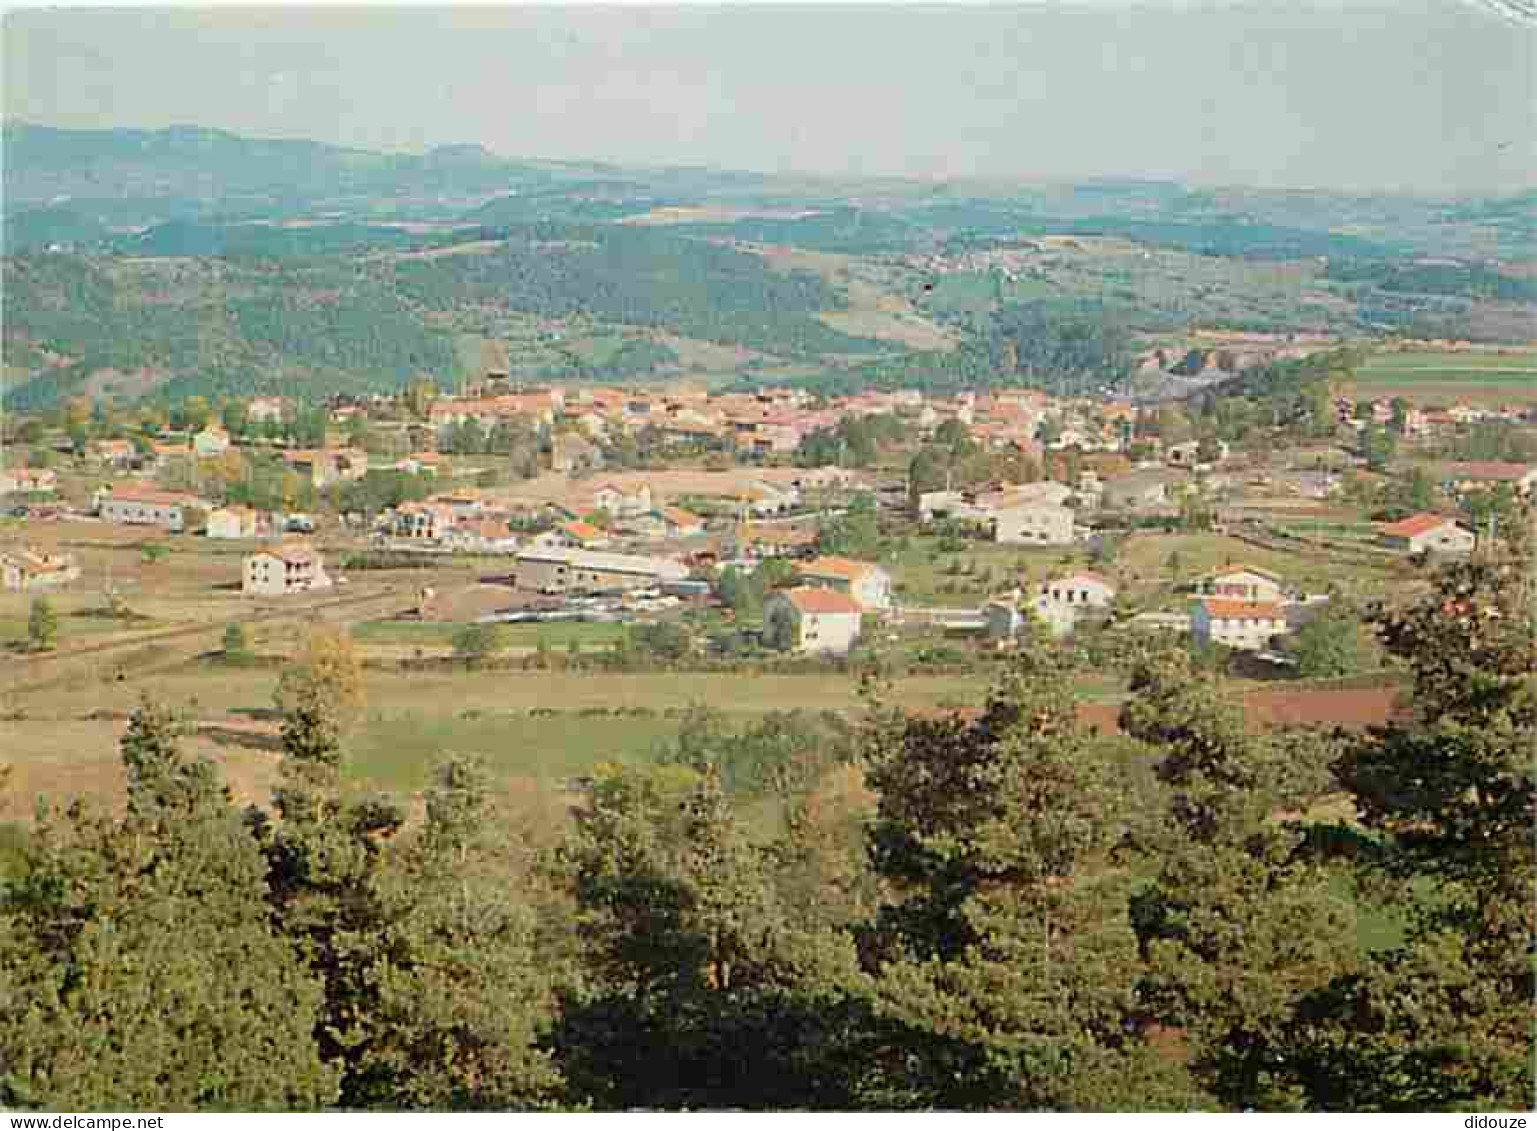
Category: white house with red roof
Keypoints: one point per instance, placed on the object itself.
(812, 620)
(1246, 625)
(1241, 582)
(866, 582)
(1423, 532)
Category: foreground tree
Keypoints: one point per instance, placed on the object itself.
(1006, 962)
(464, 1002)
(1444, 1021)
(699, 992)
(137, 964)
(325, 856)
(1238, 923)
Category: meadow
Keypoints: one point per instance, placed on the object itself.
(1448, 376)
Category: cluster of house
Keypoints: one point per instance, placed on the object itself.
(767, 422)
(1414, 421)
(1240, 607)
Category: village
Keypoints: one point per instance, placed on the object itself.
(834, 555)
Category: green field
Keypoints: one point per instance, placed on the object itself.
(397, 751)
(1446, 376)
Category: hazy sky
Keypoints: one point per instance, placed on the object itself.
(1427, 95)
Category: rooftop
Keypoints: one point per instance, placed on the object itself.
(1415, 525)
(1220, 609)
(813, 600)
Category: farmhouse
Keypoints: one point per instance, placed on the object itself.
(427, 521)
(1244, 583)
(1423, 532)
(622, 502)
(586, 571)
(1062, 601)
(1246, 625)
(486, 535)
(138, 506)
(262, 409)
(867, 583)
(30, 570)
(575, 534)
(114, 453)
(292, 567)
(328, 465)
(1482, 475)
(812, 620)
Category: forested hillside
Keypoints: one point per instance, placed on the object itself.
(235, 310)
(196, 261)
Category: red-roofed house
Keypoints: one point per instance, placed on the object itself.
(811, 620)
(1247, 625)
(1422, 532)
(1245, 583)
(27, 480)
(866, 582)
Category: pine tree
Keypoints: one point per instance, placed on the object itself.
(1237, 924)
(464, 1002)
(1006, 960)
(700, 994)
(139, 968)
(1444, 1021)
(324, 858)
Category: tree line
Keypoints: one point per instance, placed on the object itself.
(1005, 910)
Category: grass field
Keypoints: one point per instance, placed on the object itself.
(1429, 377)
(396, 752)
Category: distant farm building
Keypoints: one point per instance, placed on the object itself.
(1424, 532)
(281, 570)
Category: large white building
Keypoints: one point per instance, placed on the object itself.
(559, 570)
(1427, 532)
(1033, 524)
(233, 522)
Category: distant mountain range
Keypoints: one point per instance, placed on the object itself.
(166, 262)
